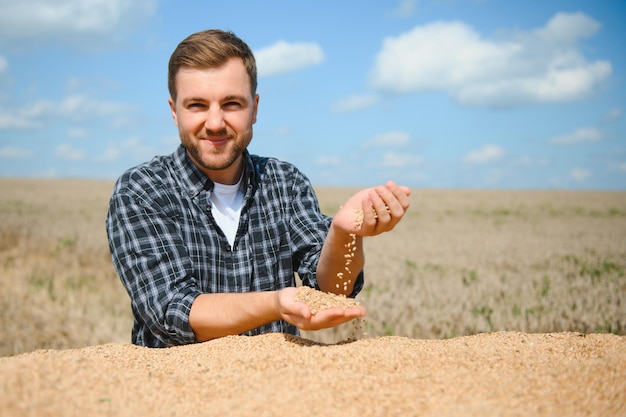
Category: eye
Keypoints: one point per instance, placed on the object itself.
(232, 104)
(195, 106)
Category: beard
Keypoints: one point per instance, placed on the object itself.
(217, 159)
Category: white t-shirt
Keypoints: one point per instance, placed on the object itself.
(227, 201)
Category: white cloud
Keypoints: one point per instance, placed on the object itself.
(388, 139)
(283, 57)
(169, 140)
(582, 135)
(353, 103)
(328, 160)
(580, 174)
(75, 108)
(566, 28)
(281, 131)
(67, 18)
(485, 154)
(527, 161)
(613, 115)
(555, 181)
(137, 147)
(405, 8)
(77, 133)
(4, 64)
(541, 66)
(134, 148)
(9, 120)
(10, 152)
(110, 154)
(273, 132)
(399, 160)
(48, 173)
(69, 152)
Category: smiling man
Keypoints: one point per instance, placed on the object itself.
(206, 240)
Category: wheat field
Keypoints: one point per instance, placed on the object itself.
(461, 262)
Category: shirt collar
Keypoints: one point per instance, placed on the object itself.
(196, 181)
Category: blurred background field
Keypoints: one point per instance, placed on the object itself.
(461, 262)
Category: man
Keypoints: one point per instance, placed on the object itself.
(206, 240)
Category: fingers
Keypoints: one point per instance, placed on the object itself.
(404, 189)
(380, 210)
(401, 194)
(373, 211)
(331, 317)
(389, 202)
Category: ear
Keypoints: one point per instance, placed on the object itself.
(173, 110)
(256, 108)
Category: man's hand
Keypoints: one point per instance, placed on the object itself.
(299, 313)
(373, 211)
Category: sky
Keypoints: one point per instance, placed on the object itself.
(479, 94)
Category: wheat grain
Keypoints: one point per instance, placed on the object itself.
(319, 300)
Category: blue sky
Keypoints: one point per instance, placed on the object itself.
(430, 93)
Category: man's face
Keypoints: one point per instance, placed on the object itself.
(214, 112)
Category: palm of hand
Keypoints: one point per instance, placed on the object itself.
(350, 218)
(299, 313)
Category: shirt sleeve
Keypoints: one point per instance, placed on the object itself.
(151, 259)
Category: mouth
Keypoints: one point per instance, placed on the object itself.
(216, 141)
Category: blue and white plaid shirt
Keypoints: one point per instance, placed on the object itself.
(168, 249)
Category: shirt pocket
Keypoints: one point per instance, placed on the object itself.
(271, 253)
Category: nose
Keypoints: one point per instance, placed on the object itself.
(214, 121)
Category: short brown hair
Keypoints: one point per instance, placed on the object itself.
(210, 49)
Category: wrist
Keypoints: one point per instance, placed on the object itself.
(340, 234)
(276, 304)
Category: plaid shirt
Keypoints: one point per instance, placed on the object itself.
(167, 248)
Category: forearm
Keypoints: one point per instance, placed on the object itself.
(217, 315)
(340, 263)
